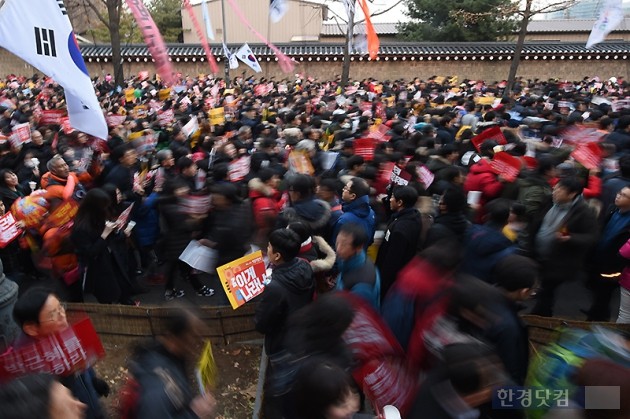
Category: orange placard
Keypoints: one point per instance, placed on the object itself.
(243, 279)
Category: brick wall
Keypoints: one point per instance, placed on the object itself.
(382, 70)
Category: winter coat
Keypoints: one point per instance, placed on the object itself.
(624, 252)
(314, 213)
(419, 296)
(485, 246)
(357, 212)
(147, 218)
(508, 334)
(610, 187)
(447, 226)
(163, 385)
(231, 230)
(290, 289)
(359, 275)
(104, 267)
(566, 259)
(177, 229)
(534, 193)
(399, 245)
(483, 178)
(264, 200)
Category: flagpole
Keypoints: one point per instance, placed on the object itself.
(227, 59)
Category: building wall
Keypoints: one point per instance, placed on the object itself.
(302, 19)
(381, 70)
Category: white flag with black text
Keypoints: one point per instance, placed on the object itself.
(230, 57)
(40, 33)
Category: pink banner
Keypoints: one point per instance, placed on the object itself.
(286, 64)
(202, 38)
(153, 39)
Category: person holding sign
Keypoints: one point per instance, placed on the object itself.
(40, 314)
(159, 374)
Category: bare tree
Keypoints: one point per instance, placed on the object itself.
(107, 12)
(531, 8)
(350, 23)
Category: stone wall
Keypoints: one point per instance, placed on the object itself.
(382, 69)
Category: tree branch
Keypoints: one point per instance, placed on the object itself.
(97, 12)
(380, 12)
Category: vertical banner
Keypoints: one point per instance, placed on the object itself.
(153, 39)
(206, 20)
(244, 278)
(202, 38)
(372, 39)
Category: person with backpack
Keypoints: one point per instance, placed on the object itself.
(158, 384)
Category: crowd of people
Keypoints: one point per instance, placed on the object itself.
(404, 223)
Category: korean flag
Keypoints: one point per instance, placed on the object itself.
(40, 33)
(246, 55)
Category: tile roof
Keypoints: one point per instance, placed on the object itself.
(542, 50)
(333, 29)
(570, 25)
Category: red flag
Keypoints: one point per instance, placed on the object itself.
(201, 36)
(506, 165)
(153, 39)
(372, 38)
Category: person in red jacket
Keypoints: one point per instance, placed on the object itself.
(266, 203)
(483, 178)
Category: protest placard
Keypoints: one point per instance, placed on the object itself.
(217, 116)
(399, 177)
(489, 134)
(195, 204)
(164, 94)
(425, 175)
(65, 124)
(21, 134)
(365, 147)
(123, 218)
(9, 230)
(206, 371)
(506, 165)
(239, 168)
(115, 120)
(588, 155)
(243, 279)
(199, 257)
(166, 117)
(191, 127)
(299, 162)
(51, 116)
(64, 353)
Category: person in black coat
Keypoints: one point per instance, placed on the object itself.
(121, 174)
(560, 239)
(97, 240)
(291, 288)
(401, 237)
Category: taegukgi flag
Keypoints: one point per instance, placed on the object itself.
(610, 17)
(230, 57)
(246, 55)
(40, 33)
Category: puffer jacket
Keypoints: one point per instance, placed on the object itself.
(291, 288)
(483, 178)
(265, 201)
(357, 212)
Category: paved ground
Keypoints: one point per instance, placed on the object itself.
(572, 296)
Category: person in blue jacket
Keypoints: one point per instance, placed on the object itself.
(356, 209)
(357, 273)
